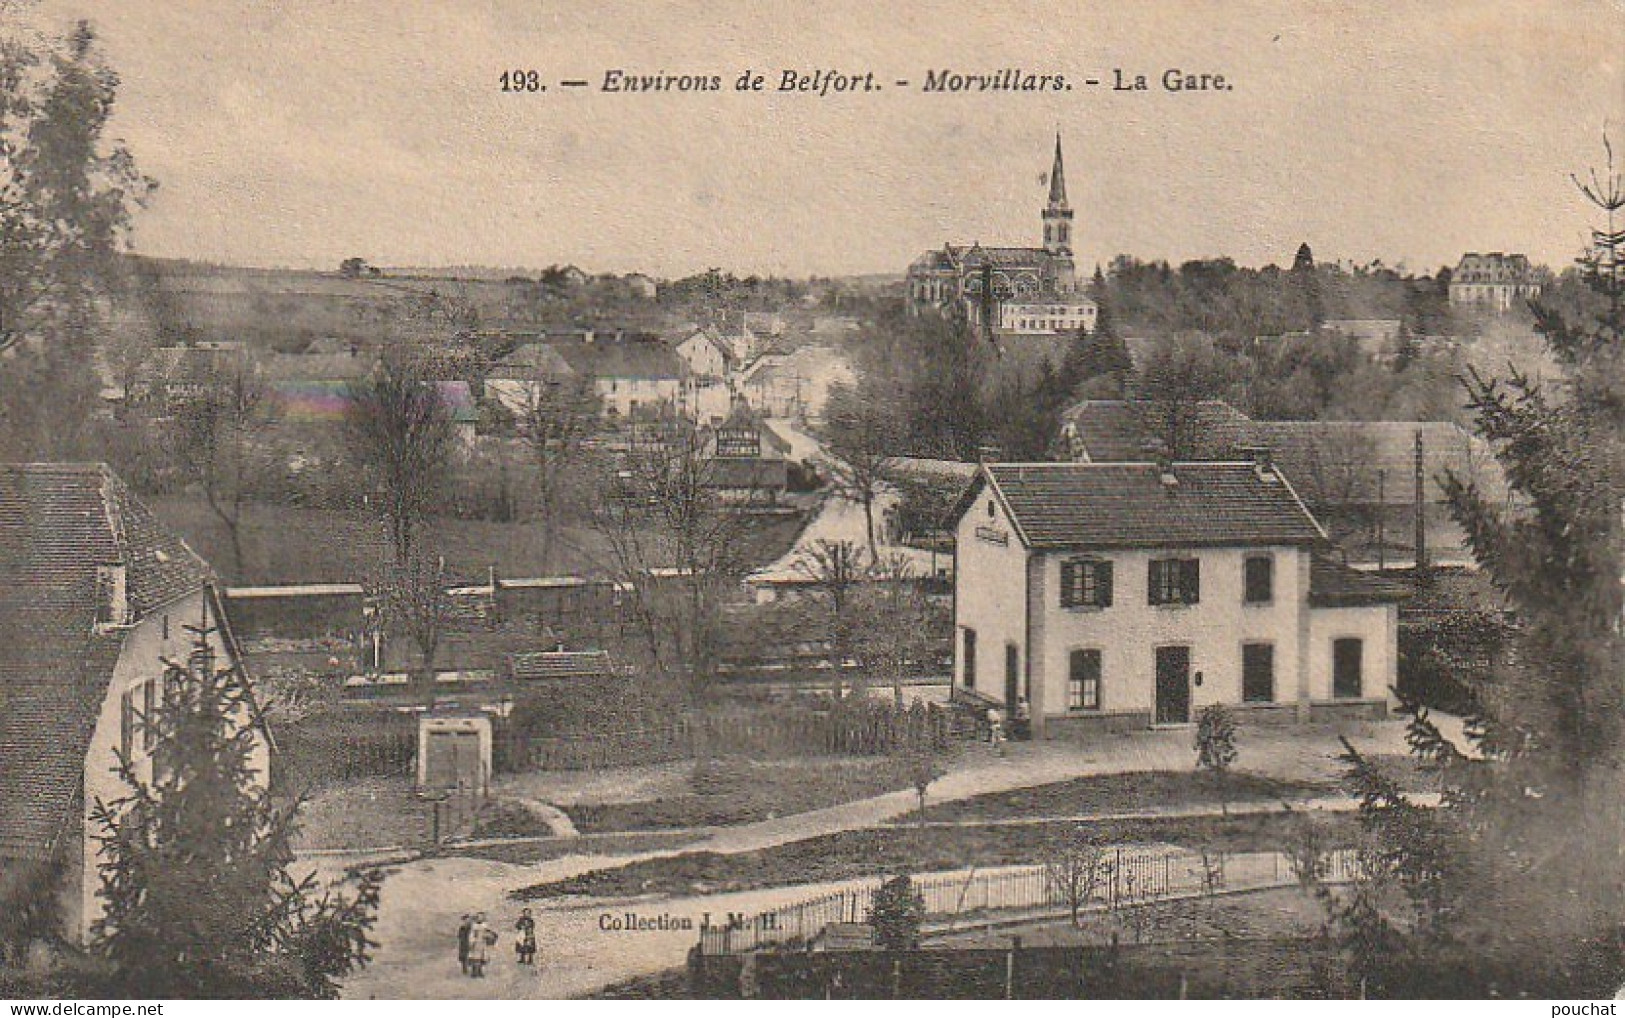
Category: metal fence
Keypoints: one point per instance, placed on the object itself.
(1123, 880)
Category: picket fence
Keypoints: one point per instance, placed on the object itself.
(761, 735)
(1125, 879)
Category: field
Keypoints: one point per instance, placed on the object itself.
(287, 544)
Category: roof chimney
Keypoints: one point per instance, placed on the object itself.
(112, 597)
(1263, 458)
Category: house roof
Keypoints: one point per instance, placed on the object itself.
(531, 361)
(622, 358)
(307, 367)
(1334, 585)
(58, 523)
(1330, 462)
(1128, 505)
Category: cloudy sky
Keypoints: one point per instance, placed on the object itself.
(300, 132)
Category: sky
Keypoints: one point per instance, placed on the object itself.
(299, 133)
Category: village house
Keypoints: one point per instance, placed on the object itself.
(705, 353)
(632, 374)
(745, 459)
(95, 597)
(517, 381)
(795, 385)
(1120, 596)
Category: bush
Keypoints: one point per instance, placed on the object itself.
(1215, 739)
(896, 914)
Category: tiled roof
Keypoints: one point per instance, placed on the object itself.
(1127, 505)
(622, 358)
(58, 523)
(533, 360)
(1334, 585)
(1329, 462)
(559, 664)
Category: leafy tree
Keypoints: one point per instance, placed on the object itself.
(400, 430)
(198, 900)
(1180, 373)
(66, 197)
(896, 914)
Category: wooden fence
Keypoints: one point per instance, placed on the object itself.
(874, 730)
(1125, 879)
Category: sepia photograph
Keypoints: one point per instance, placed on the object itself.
(595, 499)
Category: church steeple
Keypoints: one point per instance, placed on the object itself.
(1057, 179)
(1058, 214)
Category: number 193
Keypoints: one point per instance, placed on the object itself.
(521, 81)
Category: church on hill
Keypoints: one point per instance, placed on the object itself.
(1031, 291)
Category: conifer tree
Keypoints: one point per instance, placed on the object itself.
(197, 898)
(1531, 824)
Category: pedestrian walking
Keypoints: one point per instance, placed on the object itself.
(481, 938)
(463, 941)
(525, 946)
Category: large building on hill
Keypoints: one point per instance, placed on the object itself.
(1030, 290)
(1493, 281)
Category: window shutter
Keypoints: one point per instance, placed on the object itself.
(1069, 572)
(1103, 583)
(1153, 581)
(127, 723)
(1193, 580)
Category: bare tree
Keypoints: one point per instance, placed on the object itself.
(400, 430)
(861, 441)
(893, 625)
(416, 603)
(836, 569)
(214, 440)
(676, 549)
(555, 418)
(1073, 870)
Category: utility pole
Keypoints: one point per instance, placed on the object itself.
(1382, 513)
(1421, 525)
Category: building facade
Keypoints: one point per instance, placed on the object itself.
(1118, 596)
(1494, 281)
(953, 279)
(96, 598)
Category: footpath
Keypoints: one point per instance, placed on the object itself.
(582, 945)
